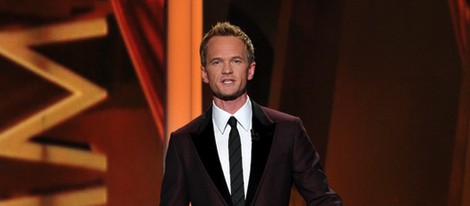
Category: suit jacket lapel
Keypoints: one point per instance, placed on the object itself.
(204, 141)
(262, 138)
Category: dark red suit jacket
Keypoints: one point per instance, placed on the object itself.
(282, 154)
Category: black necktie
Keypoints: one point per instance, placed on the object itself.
(236, 170)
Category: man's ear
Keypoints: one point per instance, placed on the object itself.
(251, 71)
(204, 75)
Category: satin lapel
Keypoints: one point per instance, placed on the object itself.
(262, 138)
(204, 141)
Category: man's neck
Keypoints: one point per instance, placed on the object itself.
(231, 106)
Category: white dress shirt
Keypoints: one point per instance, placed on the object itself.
(222, 130)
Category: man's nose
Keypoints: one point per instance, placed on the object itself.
(227, 69)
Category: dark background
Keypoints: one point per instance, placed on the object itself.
(381, 86)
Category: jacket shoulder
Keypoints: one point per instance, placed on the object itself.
(194, 125)
(278, 116)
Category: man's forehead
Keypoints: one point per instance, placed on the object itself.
(226, 46)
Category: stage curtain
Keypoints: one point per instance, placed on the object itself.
(458, 188)
(460, 16)
(141, 23)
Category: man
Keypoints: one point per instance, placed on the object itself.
(240, 153)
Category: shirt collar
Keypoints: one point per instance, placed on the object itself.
(243, 115)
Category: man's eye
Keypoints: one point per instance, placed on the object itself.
(237, 61)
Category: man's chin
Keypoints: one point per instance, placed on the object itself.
(228, 97)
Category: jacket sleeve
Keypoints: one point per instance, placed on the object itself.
(174, 191)
(308, 174)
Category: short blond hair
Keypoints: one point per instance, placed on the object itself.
(226, 29)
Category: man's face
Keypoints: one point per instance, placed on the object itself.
(227, 70)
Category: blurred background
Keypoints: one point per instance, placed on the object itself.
(90, 90)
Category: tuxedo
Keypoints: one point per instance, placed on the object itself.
(282, 155)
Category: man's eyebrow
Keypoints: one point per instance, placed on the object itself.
(237, 57)
(214, 58)
(220, 58)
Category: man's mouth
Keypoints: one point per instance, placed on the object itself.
(227, 81)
